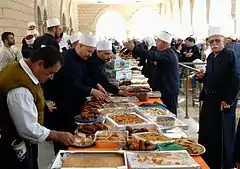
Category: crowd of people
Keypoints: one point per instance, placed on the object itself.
(44, 86)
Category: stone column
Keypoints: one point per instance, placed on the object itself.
(208, 6)
(233, 13)
(180, 3)
(191, 13)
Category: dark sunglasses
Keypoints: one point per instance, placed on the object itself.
(214, 40)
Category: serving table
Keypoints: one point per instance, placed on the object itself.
(114, 147)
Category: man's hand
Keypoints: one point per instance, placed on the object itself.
(200, 74)
(51, 105)
(129, 45)
(224, 105)
(98, 94)
(63, 138)
(102, 89)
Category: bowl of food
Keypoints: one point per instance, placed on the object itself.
(89, 117)
(83, 141)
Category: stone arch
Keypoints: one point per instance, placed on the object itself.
(63, 20)
(45, 17)
(94, 24)
(104, 28)
(70, 26)
(39, 20)
(64, 24)
(144, 22)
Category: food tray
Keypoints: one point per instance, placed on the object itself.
(116, 99)
(121, 143)
(161, 160)
(149, 127)
(154, 94)
(175, 133)
(106, 111)
(193, 148)
(149, 115)
(173, 122)
(123, 127)
(87, 155)
(117, 105)
(137, 85)
(138, 137)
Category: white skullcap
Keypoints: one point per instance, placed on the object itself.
(53, 22)
(199, 66)
(104, 45)
(75, 37)
(31, 24)
(151, 42)
(165, 36)
(30, 39)
(215, 31)
(88, 40)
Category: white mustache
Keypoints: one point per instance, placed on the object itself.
(215, 46)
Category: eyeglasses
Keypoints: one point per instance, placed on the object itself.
(214, 40)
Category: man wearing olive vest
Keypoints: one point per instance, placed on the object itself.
(21, 109)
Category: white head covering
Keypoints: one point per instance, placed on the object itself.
(200, 66)
(88, 40)
(164, 36)
(215, 31)
(75, 37)
(31, 24)
(104, 45)
(63, 43)
(33, 32)
(151, 42)
(53, 22)
(30, 39)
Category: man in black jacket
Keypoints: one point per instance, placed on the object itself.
(166, 70)
(96, 66)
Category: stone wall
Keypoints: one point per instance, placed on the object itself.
(15, 14)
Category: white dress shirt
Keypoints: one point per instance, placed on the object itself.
(23, 111)
(8, 55)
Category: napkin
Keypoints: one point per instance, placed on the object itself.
(169, 147)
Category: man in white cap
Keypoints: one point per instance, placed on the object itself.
(49, 39)
(74, 39)
(97, 61)
(219, 96)
(32, 30)
(72, 85)
(166, 71)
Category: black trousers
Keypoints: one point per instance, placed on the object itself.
(171, 101)
(9, 160)
(217, 133)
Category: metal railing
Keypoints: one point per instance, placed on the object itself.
(189, 71)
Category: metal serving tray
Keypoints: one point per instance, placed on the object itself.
(63, 155)
(123, 127)
(163, 160)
